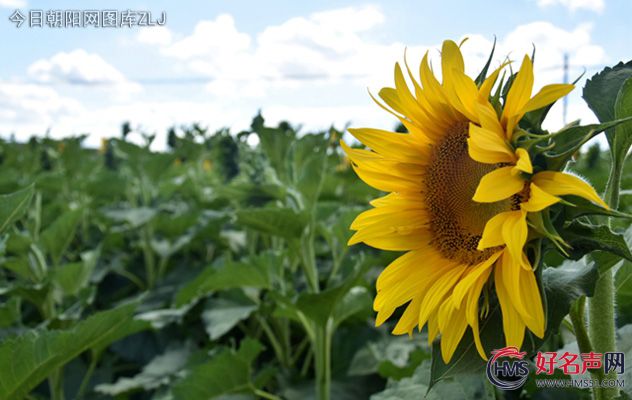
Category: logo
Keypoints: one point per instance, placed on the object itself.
(506, 369)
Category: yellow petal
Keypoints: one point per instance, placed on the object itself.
(498, 185)
(534, 317)
(471, 312)
(513, 326)
(470, 278)
(489, 119)
(465, 94)
(396, 146)
(433, 328)
(547, 95)
(560, 184)
(407, 277)
(451, 58)
(488, 84)
(514, 232)
(391, 215)
(510, 274)
(409, 318)
(393, 238)
(429, 82)
(438, 291)
(518, 95)
(492, 233)
(454, 326)
(486, 146)
(538, 199)
(524, 161)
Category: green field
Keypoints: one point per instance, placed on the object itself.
(217, 268)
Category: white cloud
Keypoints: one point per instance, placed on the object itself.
(81, 67)
(213, 39)
(13, 3)
(573, 5)
(310, 70)
(323, 46)
(29, 108)
(155, 35)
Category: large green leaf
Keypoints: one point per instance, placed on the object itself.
(57, 237)
(13, 205)
(28, 359)
(160, 371)
(468, 386)
(569, 140)
(600, 91)
(227, 372)
(355, 301)
(254, 272)
(585, 238)
(391, 356)
(223, 313)
(623, 284)
(609, 95)
(283, 222)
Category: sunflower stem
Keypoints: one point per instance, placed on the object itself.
(578, 316)
(322, 357)
(601, 310)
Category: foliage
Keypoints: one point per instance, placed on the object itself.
(221, 268)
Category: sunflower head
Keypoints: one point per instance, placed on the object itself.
(461, 189)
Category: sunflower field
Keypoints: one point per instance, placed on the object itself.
(220, 268)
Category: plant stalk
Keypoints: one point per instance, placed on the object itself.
(322, 354)
(601, 310)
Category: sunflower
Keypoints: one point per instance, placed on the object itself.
(460, 195)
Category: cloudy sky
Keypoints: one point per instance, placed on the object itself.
(311, 63)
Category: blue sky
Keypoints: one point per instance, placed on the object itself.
(219, 62)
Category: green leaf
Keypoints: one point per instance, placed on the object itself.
(160, 371)
(467, 387)
(621, 139)
(356, 300)
(27, 360)
(13, 205)
(581, 207)
(133, 217)
(226, 372)
(600, 91)
(223, 313)
(609, 95)
(585, 238)
(283, 222)
(57, 237)
(275, 144)
(569, 140)
(250, 272)
(623, 284)
(72, 277)
(624, 344)
(565, 284)
(318, 307)
(391, 356)
(10, 312)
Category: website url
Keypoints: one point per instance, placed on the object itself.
(579, 383)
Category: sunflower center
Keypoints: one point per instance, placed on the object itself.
(456, 221)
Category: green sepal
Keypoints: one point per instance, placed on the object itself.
(557, 148)
(483, 74)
